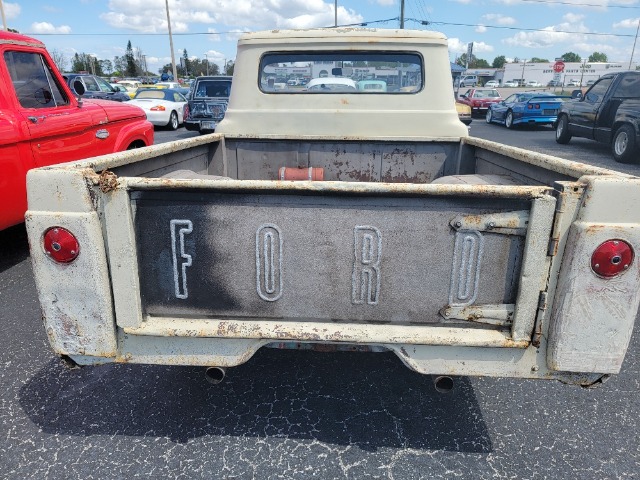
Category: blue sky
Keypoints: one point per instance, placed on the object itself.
(513, 28)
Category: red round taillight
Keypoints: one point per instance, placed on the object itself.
(611, 258)
(61, 245)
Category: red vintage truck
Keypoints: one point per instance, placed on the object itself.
(43, 123)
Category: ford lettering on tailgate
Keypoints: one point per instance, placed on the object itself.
(281, 256)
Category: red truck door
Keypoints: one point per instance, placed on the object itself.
(59, 129)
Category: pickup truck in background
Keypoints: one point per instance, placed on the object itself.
(609, 112)
(207, 103)
(42, 123)
(340, 220)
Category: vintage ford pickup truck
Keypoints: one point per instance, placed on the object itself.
(42, 122)
(340, 218)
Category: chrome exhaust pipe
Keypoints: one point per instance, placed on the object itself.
(215, 375)
(443, 384)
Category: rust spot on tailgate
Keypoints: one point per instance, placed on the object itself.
(108, 181)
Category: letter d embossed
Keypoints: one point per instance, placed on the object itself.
(366, 265)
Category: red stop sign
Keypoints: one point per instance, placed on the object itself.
(558, 67)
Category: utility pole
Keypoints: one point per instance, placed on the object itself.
(4, 20)
(630, 60)
(206, 59)
(524, 63)
(401, 14)
(335, 11)
(173, 55)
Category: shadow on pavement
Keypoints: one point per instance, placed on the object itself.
(368, 400)
(14, 247)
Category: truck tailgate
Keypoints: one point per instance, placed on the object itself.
(329, 255)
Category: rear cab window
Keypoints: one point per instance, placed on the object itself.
(629, 87)
(363, 72)
(33, 80)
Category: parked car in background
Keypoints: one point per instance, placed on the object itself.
(164, 107)
(167, 85)
(479, 99)
(533, 84)
(119, 88)
(510, 84)
(330, 84)
(469, 81)
(554, 83)
(131, 86)
(609, 112)
(371, 86)
(540, 108)
(94, 87)
(207, 103)
(492, 84)
(43, 123)
(464, 113)
(574, 83)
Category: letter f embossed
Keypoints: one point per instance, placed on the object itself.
(181, 260)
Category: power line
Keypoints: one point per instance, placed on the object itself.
(502, 27)
(573, 4)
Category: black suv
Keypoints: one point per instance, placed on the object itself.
(207, 105)
(95, 87)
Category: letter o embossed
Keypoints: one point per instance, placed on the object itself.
(269, 262)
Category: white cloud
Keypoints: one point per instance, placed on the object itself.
(240, 14)
(481, 29)
(11, 10)
(628, 23)
(499, 19)
(590, 4)
(552, 36)
(384, 3)
(458, 47)
(46, 27)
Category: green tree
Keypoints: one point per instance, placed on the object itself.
(230, 65)
(119, 66)
(539, 60)
(571, 57)
(106, 66)
(598, 57)
(131, 67)
(185, 63)
(59, 59)
(474, 62)
(499, 62)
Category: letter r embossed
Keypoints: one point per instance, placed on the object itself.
(367, 251)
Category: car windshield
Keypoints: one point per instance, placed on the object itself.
(486, 94)
(386, 72)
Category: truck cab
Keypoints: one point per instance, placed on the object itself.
(42, 122)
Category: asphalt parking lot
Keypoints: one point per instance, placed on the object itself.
(301, 414)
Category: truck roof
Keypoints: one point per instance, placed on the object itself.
(339, 34)
(19, 39)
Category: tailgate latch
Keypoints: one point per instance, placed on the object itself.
(507, 223)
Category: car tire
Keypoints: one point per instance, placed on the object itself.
(173, 121)
(489, 116)
(562, 130)
(508, 119)
(624, 146)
